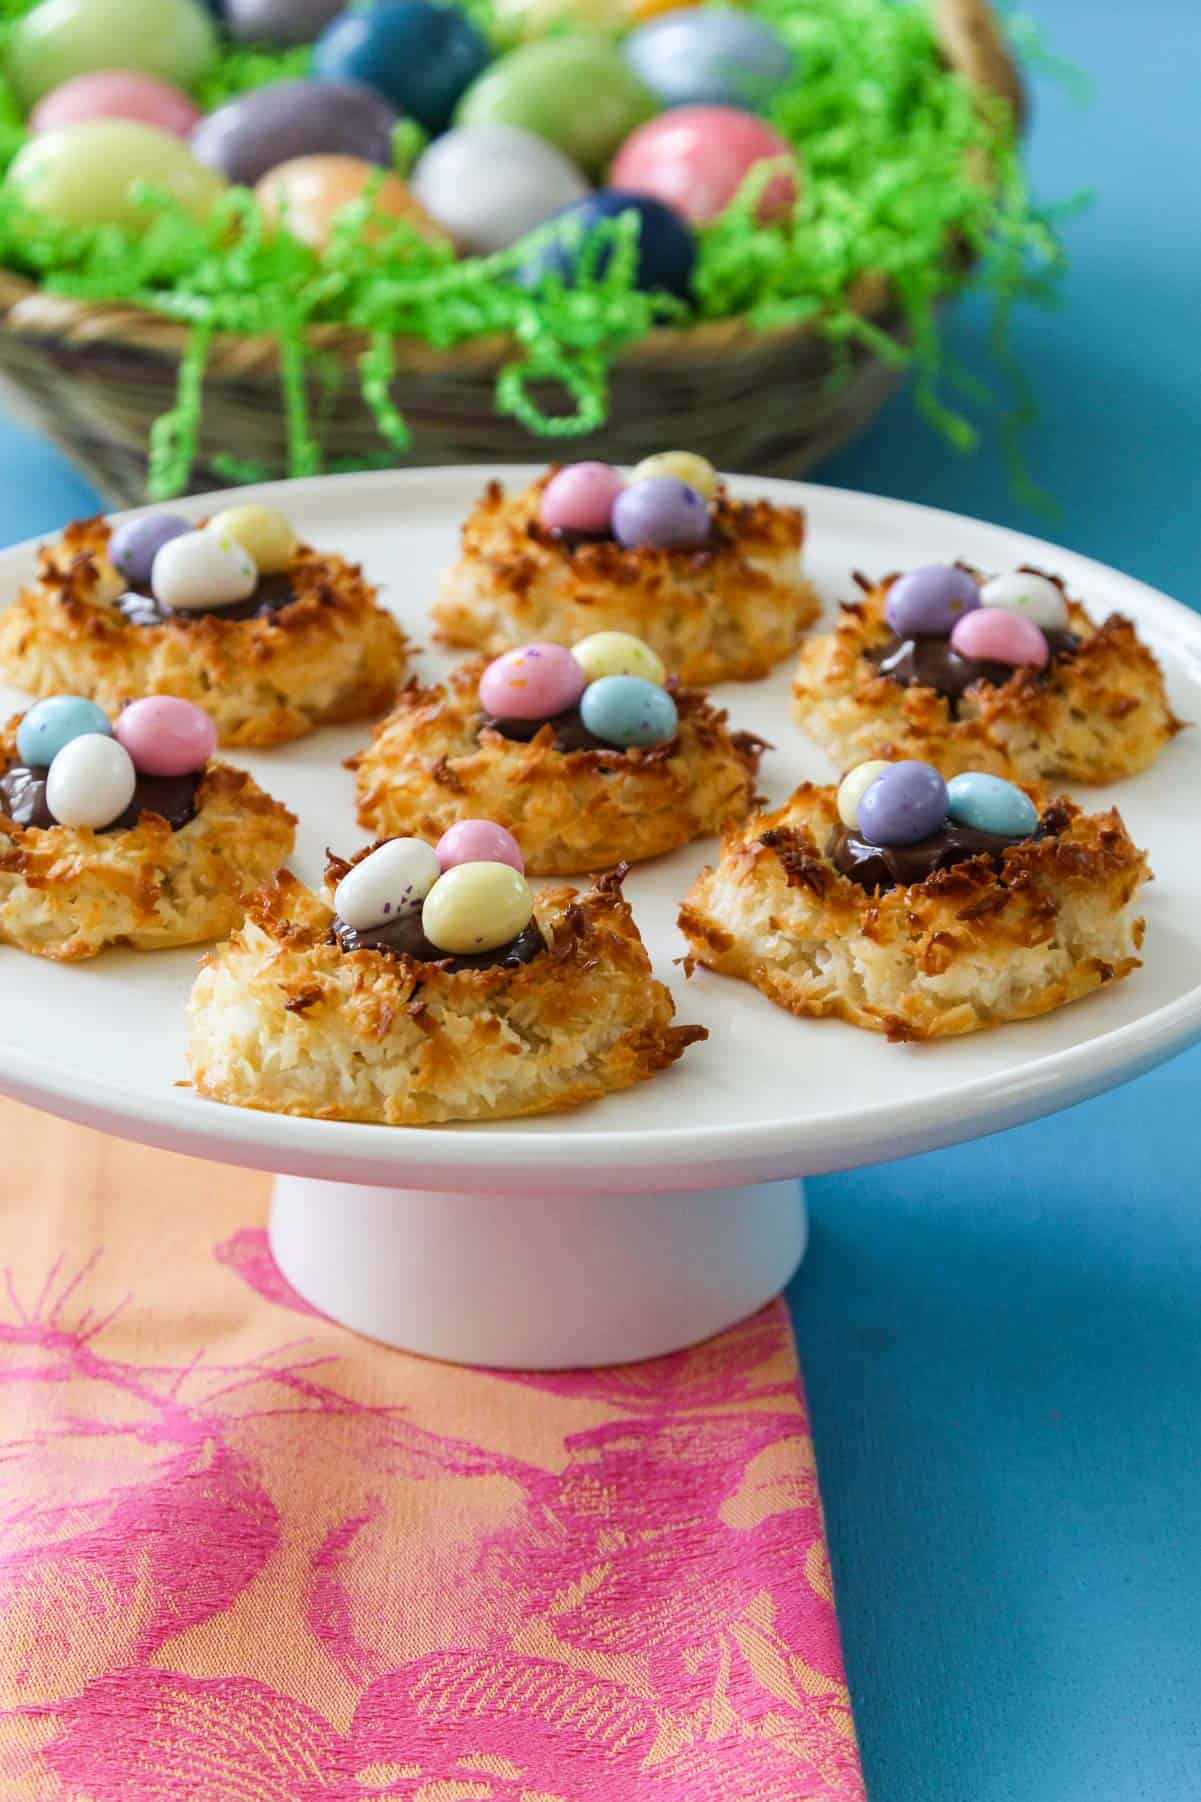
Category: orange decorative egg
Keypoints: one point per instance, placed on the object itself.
(308, 193)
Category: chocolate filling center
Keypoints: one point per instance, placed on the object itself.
(173, 798)
(571, 734)
(405, 938)
(930, 662)
(140, 607)
(880, 867)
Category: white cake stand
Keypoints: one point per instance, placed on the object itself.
(655, 1218)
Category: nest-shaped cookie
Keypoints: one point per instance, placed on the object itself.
(428, 765)
(333, 654)
(66, 892)
(730, 610)
(282, 1019)
(1094, 716)
(967, 948)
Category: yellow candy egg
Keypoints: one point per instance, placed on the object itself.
(88, 174)
(698, 472)
(618, 654)
(852, 788)
(476, 907)
(261, 531)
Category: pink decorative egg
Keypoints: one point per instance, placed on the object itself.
(534, 682)
(166, 736)
(697, 157)
(994, 635)
(479, 841)
(580, 498)
(116, 94)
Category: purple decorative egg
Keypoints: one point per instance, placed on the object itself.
(661, 511)
(534, 682)
(580, 498)
(134, 546)
(928, 601)
(993, 634)
(479, 841)
(906, 802)
(258, 130)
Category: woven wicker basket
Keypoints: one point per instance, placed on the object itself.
(94, 377)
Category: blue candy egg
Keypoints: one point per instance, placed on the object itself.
(53, 723)
(709, 55)
(928, 601)
(990, 804)
(666, 247)
(906, 802)
(628, 710)
(420, 56)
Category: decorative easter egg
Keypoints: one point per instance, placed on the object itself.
(392, 882)
(626, 711)
(274, 124)
(281, 22)
(618, 654)
(53, 723)
(476, 907)
(487, 185)
(90, 782)
(265, 534)
(116, 94)
(666, 248)
(575, 91)
(696, 158)
(929, 600)
(698, 472)
(580, 497)
(518, 21)
(63, 38)
(166, 736)
(906, 802)
(853, 787)
(134, 545)
(994, 635)
(307, 194)
(1034, 597)
(533, 682)
(202, 572)
(990, 804)
(420, 56)
(709, 55)
(479, 841)
(85, 174)
(661, 511)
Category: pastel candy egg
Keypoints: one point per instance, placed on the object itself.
(666, 247)
(992, 634)
(928, 601)
(306, 196)
(906, 802)
(280, 22)
(173, 39)
(618, 654)
(90, 782)
(392, 882)
(576, 91)
(202, 572)
(698, 472)
(282, 120)
(134, 545)
(420, 56)
(262, 532)
(487, 185)
(534, 682)
(53, 723)
(166, 736)
(1034, 597)
(116, 94)
(990, 804)
(580, 497)
(479, 841)
(475, 907)
(663, 512)
(696, 158)
(85, 174)
(627, 711)
(517, 20)
(709, 54)
(852, 789)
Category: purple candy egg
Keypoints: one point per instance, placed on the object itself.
(258, 130)
(134, 546)
(906, 802)
(661, 511)
(928, 601)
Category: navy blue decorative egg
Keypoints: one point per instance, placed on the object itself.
(420, 56)
(666, 247)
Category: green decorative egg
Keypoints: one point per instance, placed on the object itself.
(84, 174)
(577, 92)
(173, 39)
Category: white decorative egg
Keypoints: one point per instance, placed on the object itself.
(392, 882)
(90, 782)
(487, 185)
(201, 572)
(1035, 597)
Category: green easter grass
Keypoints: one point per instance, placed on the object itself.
(887, 134)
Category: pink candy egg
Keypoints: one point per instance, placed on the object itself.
(166, 736)
(533, 682)
(116, 94)
(696, 158)
(479, 841)
(993, 634)
(580, 498)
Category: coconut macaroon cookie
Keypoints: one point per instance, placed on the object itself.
(126, 834)
(430, 986)
(712, 584)
(1005, 673)
(588, 756)
(921, 908)
(271, 637)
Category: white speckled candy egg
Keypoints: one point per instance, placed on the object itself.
(201, 572)
(618, 654)
(475, 907)
(852, 789)
(392, 882)
(90, 782)
(262, 532)
(1035, 597)
(488, 185)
